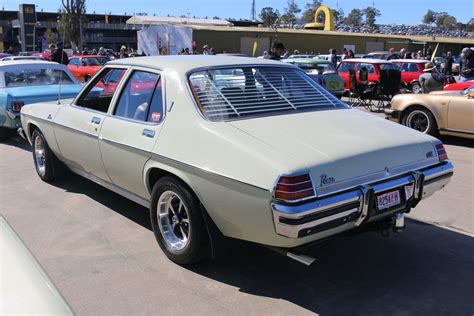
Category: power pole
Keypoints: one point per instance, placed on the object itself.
(252, 11)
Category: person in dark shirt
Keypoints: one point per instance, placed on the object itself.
(448, 64)
(58, 54)
(466, 65)
(278, 49)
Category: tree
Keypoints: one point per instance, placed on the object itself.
(72, 18)
(338, 15)
(430, 17)
(449, 22)
(289, 18)
(49, 37)
(355, 17)
(370, 15)
(269, 16)
(440, 18)
(310, 10)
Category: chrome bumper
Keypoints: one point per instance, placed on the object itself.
(12, 115)
(358, 205)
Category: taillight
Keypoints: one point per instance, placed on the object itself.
(17, 105)
(442, 154)
(293, 188)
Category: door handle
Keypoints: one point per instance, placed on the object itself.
(148, 133)
(95, 120)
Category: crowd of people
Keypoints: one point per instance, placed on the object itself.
(402, 29)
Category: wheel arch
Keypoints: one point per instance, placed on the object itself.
(422, 106)
(154, 171)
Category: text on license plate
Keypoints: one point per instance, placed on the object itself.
(388, 199)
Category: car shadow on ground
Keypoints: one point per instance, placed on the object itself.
(457, 141)
(17, 141)
(424, 270)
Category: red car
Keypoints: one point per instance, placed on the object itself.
(83, 67)
(374, 66)
(458, 86)
(411, 69)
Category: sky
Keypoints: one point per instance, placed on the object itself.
(398, 11)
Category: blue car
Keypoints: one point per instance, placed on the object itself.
(30, 81)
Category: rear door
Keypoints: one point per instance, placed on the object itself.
(78, 126)
(130, 132)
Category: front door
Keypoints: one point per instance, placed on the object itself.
(77, 127)
(461, 113)
(130, 132)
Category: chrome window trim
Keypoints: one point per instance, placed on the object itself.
(86, 86)
(118, 92)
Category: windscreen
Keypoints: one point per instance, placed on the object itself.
(241, 92)
(36, 77)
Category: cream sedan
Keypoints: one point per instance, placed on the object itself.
(439, 112)
(245, 148)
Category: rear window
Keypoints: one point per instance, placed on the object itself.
(388, 67)
(315, 69)
(232, 93)
(35, 77)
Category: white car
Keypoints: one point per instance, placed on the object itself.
(252, 147)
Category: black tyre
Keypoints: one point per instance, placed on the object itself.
(415, 87)
(178, 223)
(48, 167)
(421, 120)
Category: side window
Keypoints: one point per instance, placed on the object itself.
(346, 67)
(99, 94)
(370, 68)
(74, 62)
(156, 108)
(135, 100)
(413, 68)
(405, 67)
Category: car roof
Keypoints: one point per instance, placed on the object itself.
(27, 62)
(308, 60)
(367, 61)
(86, 56)
(184, 63)
(421, 61)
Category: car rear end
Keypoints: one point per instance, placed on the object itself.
(348, 168)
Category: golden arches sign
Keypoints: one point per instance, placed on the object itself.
(328, 20)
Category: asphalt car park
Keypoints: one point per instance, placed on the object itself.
(99, 250)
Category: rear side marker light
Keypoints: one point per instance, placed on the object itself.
(293, 188)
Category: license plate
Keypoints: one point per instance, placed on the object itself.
(388, 199)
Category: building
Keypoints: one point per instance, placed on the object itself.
(24, 29)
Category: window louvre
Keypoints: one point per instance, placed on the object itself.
(242, 92)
